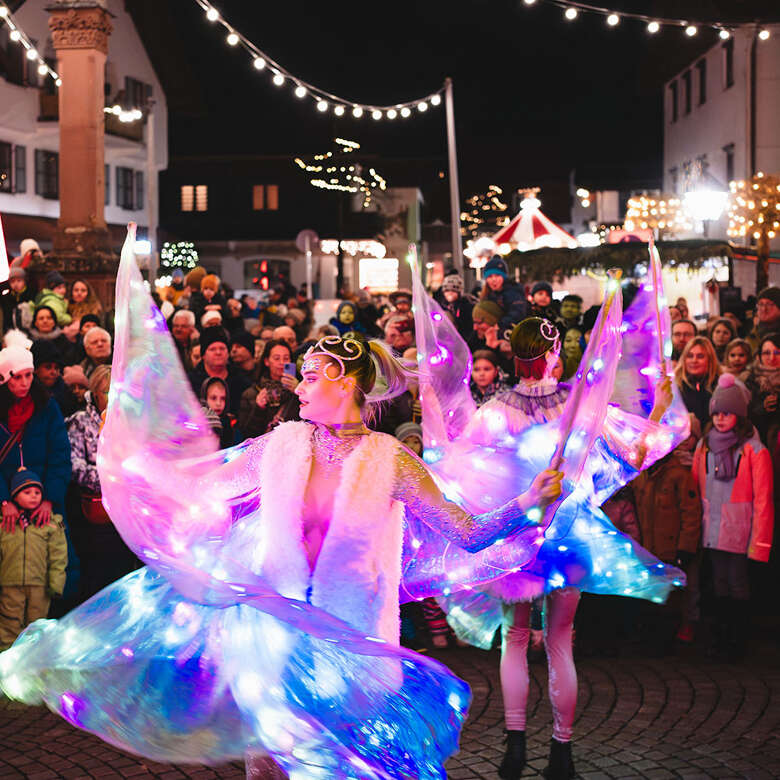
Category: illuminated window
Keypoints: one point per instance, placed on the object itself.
(273, 197)
(258, 197)
(187, 197)
(201, 197)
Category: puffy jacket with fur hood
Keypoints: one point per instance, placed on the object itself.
(35, 556)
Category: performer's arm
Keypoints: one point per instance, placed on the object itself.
(415, 487)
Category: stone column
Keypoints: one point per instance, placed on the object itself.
(80, 31)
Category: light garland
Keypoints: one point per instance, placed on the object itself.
(324, 101)
(180, 254)
(340, 175)
(572, 11)
(484, 208)
(19, 36)
(664, 213)
(754, 207)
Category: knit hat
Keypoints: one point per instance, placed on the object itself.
(496, 265)
(245, 339)
(74, 375)
(403, 292)
(539, 286)
(211, 336)
(211, 318)
(212, 380)
(210, 282)
(407, 429)
(28, 244)
(54, 279)
(13, 360)
(89, 318)
(772, 294)
(25, 478)
(195, 277)
(16, 338)
(487, 311)
(17, 272)
(729, 397)
(452, 282)
(46, 352)
(177, 275)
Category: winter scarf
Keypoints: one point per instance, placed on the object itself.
(767, 379)
(722, 446)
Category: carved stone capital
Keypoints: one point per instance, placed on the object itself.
(80, 27)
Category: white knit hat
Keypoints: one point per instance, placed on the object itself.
(13, 360)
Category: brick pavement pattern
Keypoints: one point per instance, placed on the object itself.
(637, 718)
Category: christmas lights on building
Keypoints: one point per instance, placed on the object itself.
(663, 213)
(179, 254)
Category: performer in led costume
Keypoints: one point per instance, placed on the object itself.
(267, 617)
(581, 549)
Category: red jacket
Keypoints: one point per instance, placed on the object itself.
(745, 522)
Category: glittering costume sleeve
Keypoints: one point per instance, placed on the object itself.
(195, 658)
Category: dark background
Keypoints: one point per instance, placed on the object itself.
(535, 95)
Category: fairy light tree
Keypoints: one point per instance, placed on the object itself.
(754, 215)
(179, 254)
(484, 211)
(663, 213)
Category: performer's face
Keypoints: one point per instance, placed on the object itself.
(322, 398)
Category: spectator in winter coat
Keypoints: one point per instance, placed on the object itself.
(97, 346)
(14, 292)
(721, 333)
(33, 558)
(53, 296)
(183, 331)
(83, 300)
(32, 432)
(696, 376)
(736, 359)
(450, 297)
(767, 314)
(486, 380)
(571, 313)
(215, 397)
(346, 319)
(682, 332)
(77, 383)
(45, 328)
(215, 362)
(509, 296)
(541, 303)
(733, 471)
(486, 316)
(763, 382)
(242, 353)
(48, 369)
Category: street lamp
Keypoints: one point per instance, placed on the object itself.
(707, 201)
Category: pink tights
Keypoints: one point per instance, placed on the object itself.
(560, 606)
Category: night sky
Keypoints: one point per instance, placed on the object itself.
(535, 95)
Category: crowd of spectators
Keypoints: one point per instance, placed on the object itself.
(242, 358)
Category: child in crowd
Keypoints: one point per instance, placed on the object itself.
(33, 558)
(410, 435)
(733, 471)
(214, 395)
(76, 380)
(737, 357)
(53, 296)
(486, 377)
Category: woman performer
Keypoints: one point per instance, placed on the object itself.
(267, 618)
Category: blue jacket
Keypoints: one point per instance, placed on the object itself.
(46, 449)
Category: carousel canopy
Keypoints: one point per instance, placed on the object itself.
(531, 229)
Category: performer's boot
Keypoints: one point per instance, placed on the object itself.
(514, 759)
(560, 765)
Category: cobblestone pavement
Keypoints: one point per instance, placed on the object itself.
(678, 717)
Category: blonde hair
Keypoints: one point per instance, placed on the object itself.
(713, 368)
(99, 377)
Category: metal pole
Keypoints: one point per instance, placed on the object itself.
(457, 242)
(308, 267)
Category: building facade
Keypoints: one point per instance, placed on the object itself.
(135, 152)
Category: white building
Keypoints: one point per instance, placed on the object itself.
(29, 132)
(721, 115)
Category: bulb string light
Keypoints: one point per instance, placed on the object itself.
(323, 100)
(18, 35)
(572, 9)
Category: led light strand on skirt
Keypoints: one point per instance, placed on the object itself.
(324, 101)
(18, 35)
(572, 10)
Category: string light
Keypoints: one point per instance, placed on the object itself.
(572, 9)
(485, 210)
(664, 213)
(323, 100)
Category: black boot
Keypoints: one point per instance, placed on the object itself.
(560, 765)
(720, 629)
(514, 759)
(739, 631)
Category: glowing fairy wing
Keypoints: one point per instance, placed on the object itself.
(445, 368)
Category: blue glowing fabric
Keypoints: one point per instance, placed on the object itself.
(195, 658)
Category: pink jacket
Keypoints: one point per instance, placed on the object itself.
(738, 516)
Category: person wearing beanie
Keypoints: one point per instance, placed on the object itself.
(451, 299)
(53, 296)
(13, 293)
(733, 471)
(242, 353)
(208, 298)
(77, 383)
(541, 301)
(33, 558)
(767, 318)
(410, 434)
(485, 333)
(214, 362)
(346, 319)
(211, 318)
(503, 292)
(48, 368)
(177, 288)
